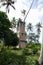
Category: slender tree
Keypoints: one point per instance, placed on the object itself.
(28, 10)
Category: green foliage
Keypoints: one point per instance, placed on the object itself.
(38, 27)
(4, 21)
(11, 39)
(7, 58)
(31, 35)
(13, 22)
(4, 24)
(29, 27)
(35, 51)
(30, 61)
(21, 56)
(33, 45)
(32, 53)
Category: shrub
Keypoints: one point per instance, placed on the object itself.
(35, 50)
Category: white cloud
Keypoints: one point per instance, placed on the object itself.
(33, 16)
(40, 1)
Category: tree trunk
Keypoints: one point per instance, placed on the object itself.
(28, 11)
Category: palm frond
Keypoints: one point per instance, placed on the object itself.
(12, 6)
(7, 3)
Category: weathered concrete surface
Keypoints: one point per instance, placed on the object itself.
(21, 34)
(41, 52)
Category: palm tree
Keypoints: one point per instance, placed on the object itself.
(29, 27)
(24, 11)
(7, 3)
(38, 26)
(31, 37)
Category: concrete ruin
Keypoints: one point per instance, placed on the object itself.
(21, 34)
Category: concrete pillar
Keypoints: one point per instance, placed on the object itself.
(41, 52)
(21, 34)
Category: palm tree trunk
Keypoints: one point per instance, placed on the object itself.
(28, 11)
(41, 52)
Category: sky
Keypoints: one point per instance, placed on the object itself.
(35, 15)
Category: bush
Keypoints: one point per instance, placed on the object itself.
(30, 61)
(27, 51)
(7, 58)
(35, 50)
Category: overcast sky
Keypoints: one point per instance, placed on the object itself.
(35, 15)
